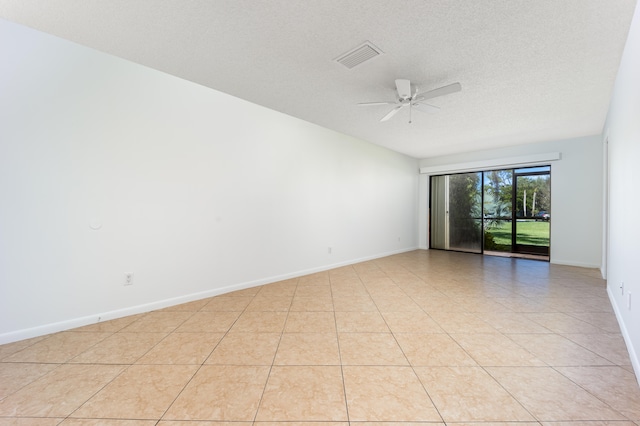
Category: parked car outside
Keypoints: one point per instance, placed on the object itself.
(543, 215)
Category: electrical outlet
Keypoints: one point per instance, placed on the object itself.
(329, 250)
(128, 278)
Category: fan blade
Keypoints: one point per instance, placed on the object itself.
(444, 90)
(376, 103)
(432, 109)
(392, 113)
(404, 88)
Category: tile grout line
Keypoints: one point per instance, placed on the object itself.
(591, 393)
(335, 319)
(410, 364)
(275, 354)
(164, 413)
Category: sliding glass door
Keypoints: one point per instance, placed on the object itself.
(498, 211)
(532, 210)
(495, 211)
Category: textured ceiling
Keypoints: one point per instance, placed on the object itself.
(530, 70)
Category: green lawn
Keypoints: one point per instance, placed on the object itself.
(529, 233)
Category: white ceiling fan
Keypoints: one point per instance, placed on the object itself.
(405, 98)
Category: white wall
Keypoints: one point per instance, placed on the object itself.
(196, 192)
(576, 195)
(623, 133)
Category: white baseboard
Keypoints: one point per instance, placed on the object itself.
(633, 355)
(41, 330)
(578, 264)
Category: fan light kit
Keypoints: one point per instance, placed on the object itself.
(405, 98)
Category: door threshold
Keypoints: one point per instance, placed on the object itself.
(517, 255)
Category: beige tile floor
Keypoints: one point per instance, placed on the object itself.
(422, 337)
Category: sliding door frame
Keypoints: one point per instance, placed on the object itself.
(515, 247)
(520, 248)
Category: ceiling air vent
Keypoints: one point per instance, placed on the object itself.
(360, 54)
